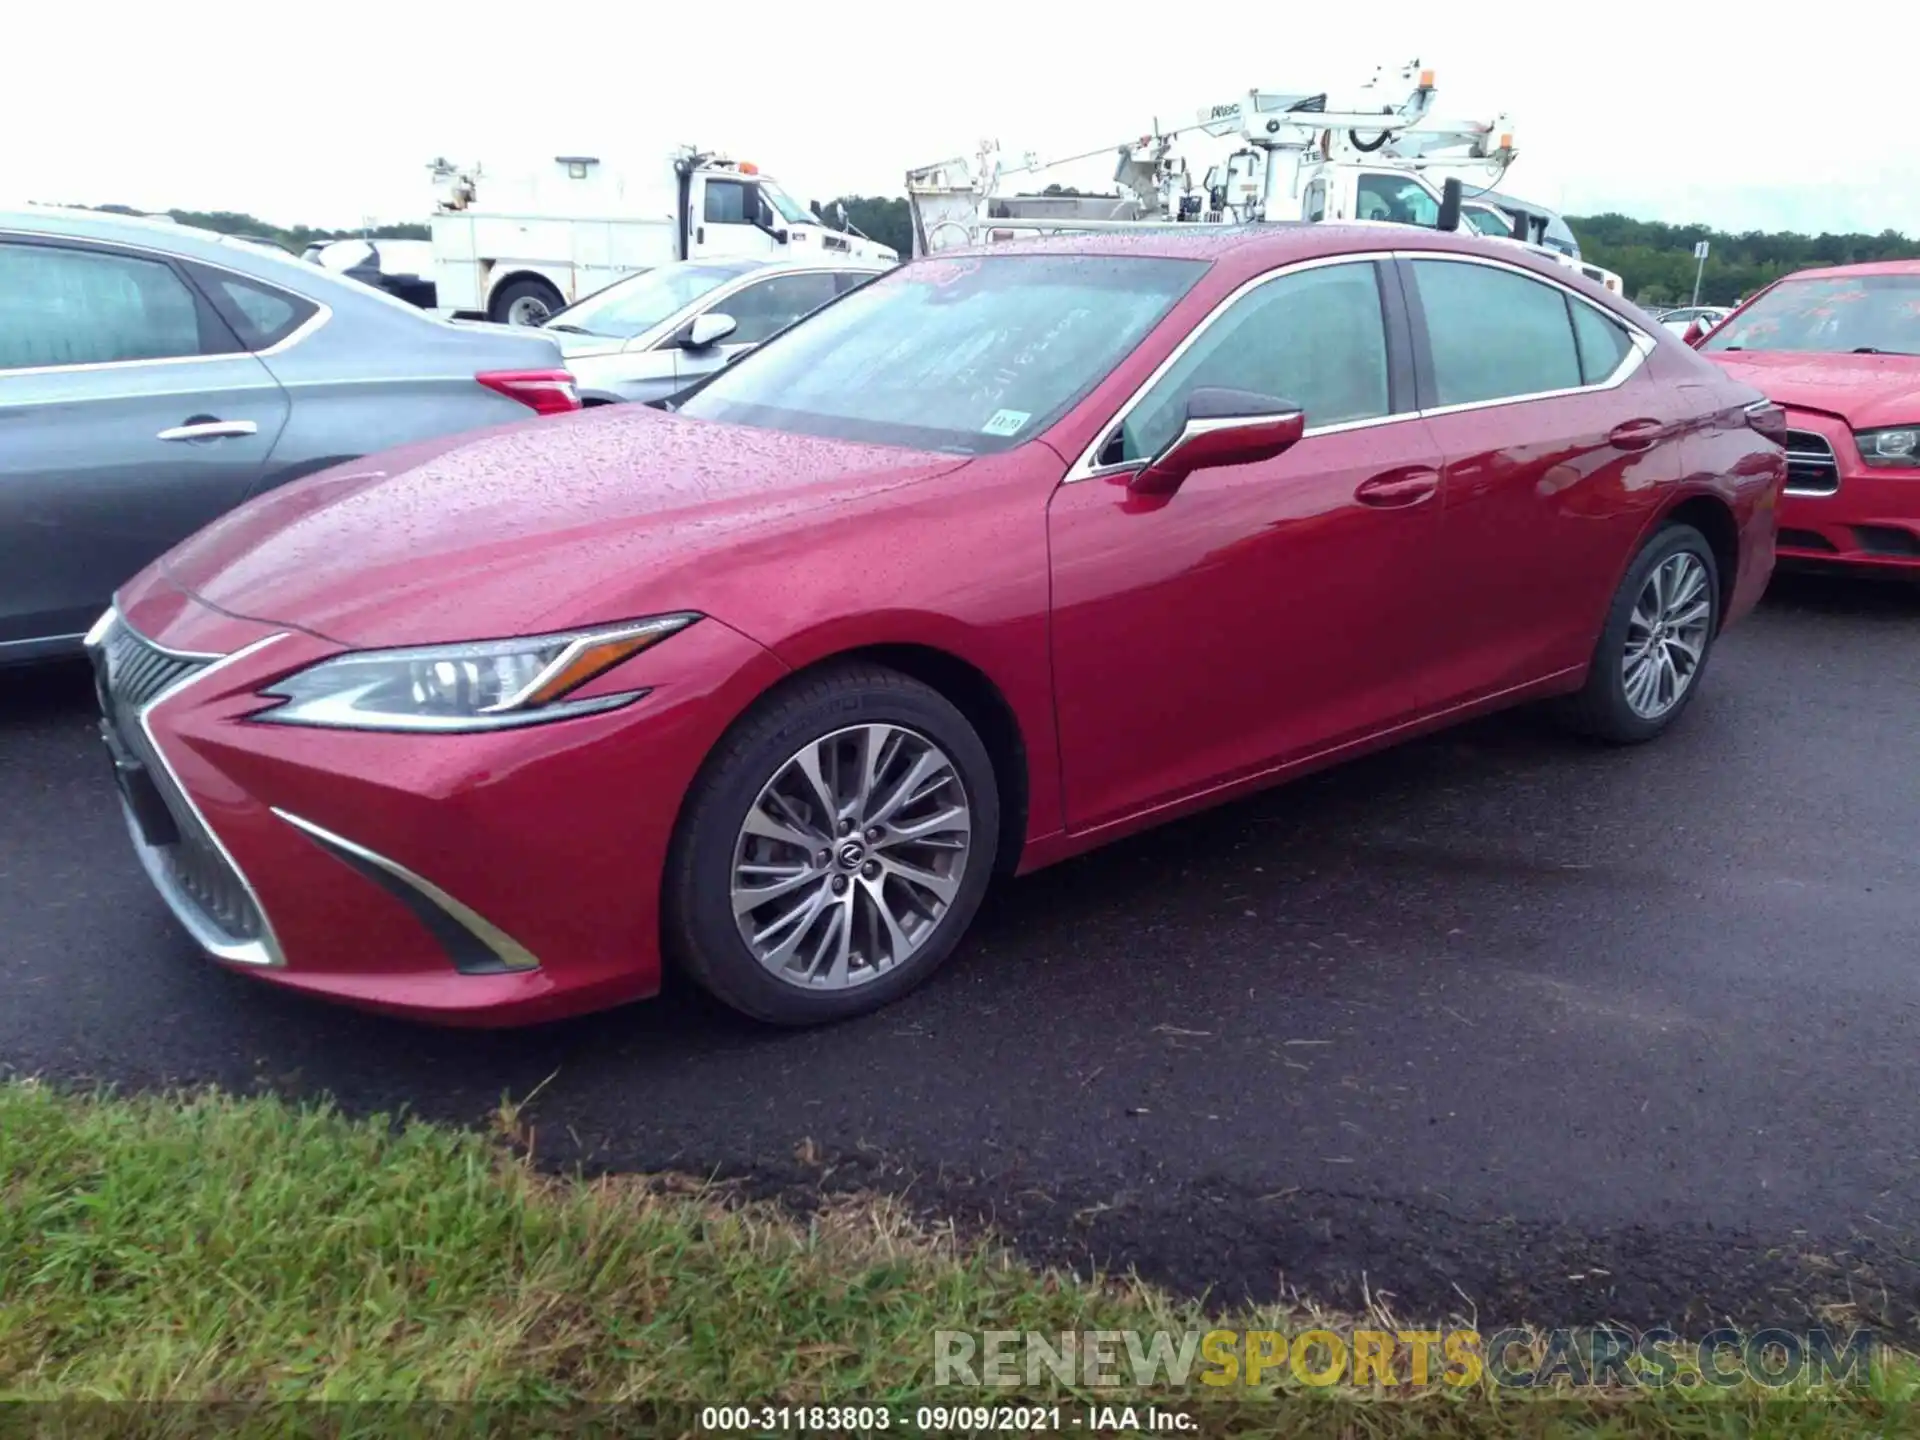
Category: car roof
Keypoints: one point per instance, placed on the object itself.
(1266, 243)
(1865, 267)
(247, 254)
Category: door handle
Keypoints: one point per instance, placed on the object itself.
(209, 430)
(1635, 434)
(1395, 489)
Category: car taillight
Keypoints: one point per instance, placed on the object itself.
(1769, 419)
(545, 392)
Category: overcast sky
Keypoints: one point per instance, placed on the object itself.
(327, 112)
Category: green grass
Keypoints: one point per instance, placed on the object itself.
(206, 1248)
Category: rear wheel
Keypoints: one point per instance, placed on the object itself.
(523, 302)
(1654, 646)
(834, 850)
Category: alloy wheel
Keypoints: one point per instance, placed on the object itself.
(1667, 635)
(851, 856)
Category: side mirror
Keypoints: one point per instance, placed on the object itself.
(1223, 427)
(708, 329)
(1695, 332)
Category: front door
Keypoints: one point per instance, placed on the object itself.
(724, 210)
(129, 418)
(1264, 612)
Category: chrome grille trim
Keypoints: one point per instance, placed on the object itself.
(198, 878)
(1812, 468)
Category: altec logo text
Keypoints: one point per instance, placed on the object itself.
(1605, 1356)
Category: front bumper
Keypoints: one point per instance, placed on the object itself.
(1838, 510)
(487, 879)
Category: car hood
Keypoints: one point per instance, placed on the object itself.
(598, 516)
(1865, 391)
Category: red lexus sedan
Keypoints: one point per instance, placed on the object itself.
(1839, 350)
(998, 558)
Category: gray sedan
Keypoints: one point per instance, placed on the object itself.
(646, 336)
(153, 376)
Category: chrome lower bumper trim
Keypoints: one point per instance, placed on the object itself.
(474, 944)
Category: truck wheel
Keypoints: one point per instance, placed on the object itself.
(523, 302)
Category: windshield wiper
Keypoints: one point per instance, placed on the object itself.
(570, 329)
(1876, 350)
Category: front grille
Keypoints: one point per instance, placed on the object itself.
(130, 672)
(138, 671)
(1811, 467)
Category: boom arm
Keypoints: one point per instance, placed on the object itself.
(1388, 122)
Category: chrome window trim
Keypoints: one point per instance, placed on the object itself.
(321, 315)
(1640, 345)
(512, 955)
(264, 952)
(1085, 468)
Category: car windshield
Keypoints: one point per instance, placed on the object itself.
(1487, 222)
(965, 355)
(635, 305)
(1835, 315)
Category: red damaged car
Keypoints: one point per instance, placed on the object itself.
(1839, 350)
(995, 559)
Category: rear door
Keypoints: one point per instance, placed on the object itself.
(130, 416)
(1555, 444)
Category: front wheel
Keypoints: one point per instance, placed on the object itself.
(834, 849)
(1654, 646)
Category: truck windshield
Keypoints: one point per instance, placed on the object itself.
(636, 304)
(1864, 314)
(965, 355)
(782, 202)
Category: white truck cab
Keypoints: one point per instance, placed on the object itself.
(517, 247)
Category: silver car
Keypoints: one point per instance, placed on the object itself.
(644, 337)
(153, 376)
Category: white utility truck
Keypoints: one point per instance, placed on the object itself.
(516, 247)
(1377, 155)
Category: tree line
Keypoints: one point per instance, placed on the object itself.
(1656, 265)
(1653, 259)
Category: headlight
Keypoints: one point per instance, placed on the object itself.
(1890, 447)
(489, 685)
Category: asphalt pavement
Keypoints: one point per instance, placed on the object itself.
(1496, 1024)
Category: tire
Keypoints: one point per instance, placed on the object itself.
(523, 302)
(1611, 709)
(755, 775)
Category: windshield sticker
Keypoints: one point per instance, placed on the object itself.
(1006, 422)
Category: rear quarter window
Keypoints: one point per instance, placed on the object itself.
(262, 315)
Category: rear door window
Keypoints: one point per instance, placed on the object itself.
(70, 306)
(1494, 333)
